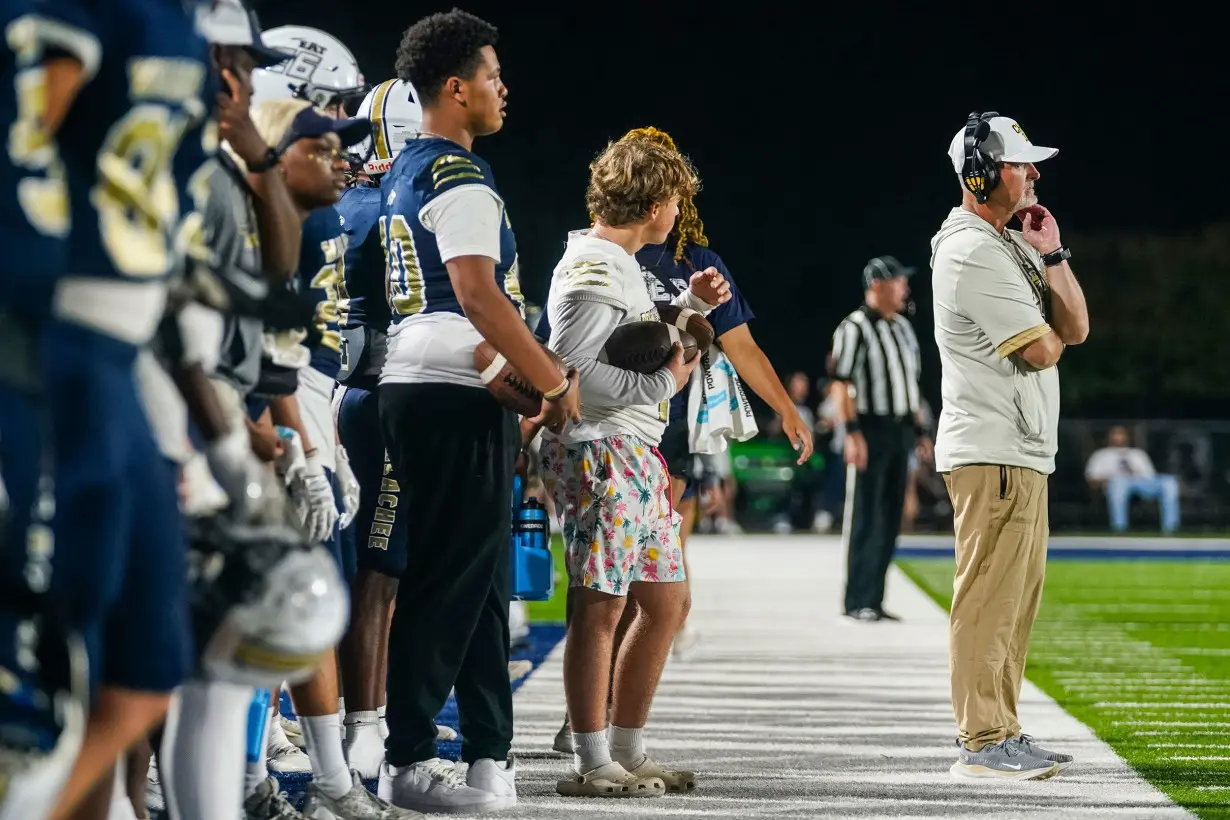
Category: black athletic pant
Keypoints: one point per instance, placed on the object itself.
(452, 449)
(879, 496)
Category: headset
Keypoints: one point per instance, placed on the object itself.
(980, 174)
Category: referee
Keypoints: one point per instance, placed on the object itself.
(876, 367)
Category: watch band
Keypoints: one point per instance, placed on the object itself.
(270, 160)
(1056, 256)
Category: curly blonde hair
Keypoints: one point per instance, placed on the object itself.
(630, 177)
(689, 228)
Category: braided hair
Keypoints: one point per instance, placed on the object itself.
(689, 228)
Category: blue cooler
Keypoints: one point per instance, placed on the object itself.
(533, 571)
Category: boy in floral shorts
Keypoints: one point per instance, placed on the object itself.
(609, 484)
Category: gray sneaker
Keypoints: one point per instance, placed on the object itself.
(1005, 761)
(1031, 747)
(268, 803)
(563, 739)
(357, 804)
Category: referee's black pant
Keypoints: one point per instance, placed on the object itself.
(879, 496)
(452, 449)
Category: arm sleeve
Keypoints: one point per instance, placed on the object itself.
(466, 222)
(688, 299)
(581, 329)
(846, 341)
(993, 293)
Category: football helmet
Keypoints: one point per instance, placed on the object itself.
(396, 116)
(265, 605)
(320, 69)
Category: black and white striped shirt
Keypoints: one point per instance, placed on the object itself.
(880, 357)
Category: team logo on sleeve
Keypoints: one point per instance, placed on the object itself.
(451, 167)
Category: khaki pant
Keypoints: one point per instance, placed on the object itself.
(1001, 525)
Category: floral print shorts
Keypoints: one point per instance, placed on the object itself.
(613, 499)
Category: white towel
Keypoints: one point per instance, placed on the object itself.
(718, 409)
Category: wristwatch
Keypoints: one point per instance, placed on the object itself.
(270, 159)
(1056, 256)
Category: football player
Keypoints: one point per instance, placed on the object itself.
(608, 470)
(34, 221)
(120, 548)
(380, 526)
(310, 143)
(322, 71)
(451, 258)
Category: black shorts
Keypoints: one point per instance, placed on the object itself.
(680, 462)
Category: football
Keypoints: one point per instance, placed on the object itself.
(644, 347)
(690, 322)
(506, 383)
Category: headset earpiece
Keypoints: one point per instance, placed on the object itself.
(980, 174)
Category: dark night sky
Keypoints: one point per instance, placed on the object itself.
(821, 136)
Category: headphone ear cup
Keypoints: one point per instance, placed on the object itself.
(991, 171)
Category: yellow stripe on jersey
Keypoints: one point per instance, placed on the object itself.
(450, 168)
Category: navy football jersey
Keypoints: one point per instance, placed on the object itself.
(34, 217)
(363, 307)
(667, 278)
(418, 280)
(321, 273)
(118, 142)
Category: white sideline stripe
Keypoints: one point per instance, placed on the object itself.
(788, 709)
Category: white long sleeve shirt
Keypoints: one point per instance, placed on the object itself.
(596, 287)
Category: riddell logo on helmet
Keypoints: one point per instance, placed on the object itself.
(379, 166)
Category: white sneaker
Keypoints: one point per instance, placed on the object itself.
(154, 800)
(499, 779)
(433, 786)
(519, 669)
(443, 732)
(284, 756)
(363, 747)
(356, 804)
(292, 730)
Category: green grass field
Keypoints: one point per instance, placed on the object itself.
(1139, 651)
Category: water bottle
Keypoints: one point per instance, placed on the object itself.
(533, 571)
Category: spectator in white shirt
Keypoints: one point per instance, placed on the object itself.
(1124, 471)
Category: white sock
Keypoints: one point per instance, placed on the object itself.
(628, 747)
(361, 719)
(203, 750)
(323, 738)
(258, 771)
(384, 724)
(121, 807)
(591, 750)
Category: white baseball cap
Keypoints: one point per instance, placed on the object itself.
(1005, 143)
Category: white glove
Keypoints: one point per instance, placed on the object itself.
(238, 472)
(321, 510)
(292, 466)
(349, 486)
